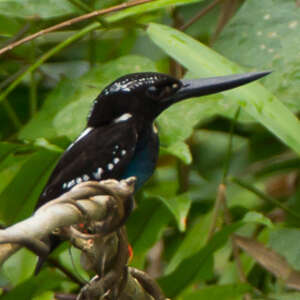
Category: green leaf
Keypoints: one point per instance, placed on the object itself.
(8, 26)
(194, 240)
(187, 271)
(253, 98)
(10, 164)
(20, 266)
(147, 7)
(217, 292)
(255, 217)
(180, 150)
(286, 241)
(19, 197)
(263, 34)
(27, 290)
(178, 205)
(68, 105)
(38, 9)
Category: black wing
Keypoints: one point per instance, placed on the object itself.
(99, 153)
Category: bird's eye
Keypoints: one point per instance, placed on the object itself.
(153, 91)
(160, 92)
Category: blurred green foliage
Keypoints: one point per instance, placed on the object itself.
(44, 110)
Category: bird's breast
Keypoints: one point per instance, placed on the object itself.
(145, 157)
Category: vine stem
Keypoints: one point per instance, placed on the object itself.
(73, 21)
(62, 45)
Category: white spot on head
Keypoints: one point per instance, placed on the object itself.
(293, 24)
(123, 118)
(270, 50)
(116, 160)
(267, 17)
(123, 152)
(98, 173)
(259, 33)
(85, 177)
(110, 166)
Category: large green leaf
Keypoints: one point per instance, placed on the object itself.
(20, 195)
(193, 241)
(264, 34)
(253, 98)
(187, 271)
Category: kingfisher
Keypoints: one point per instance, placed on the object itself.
(120, 139)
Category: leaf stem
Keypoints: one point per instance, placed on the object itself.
(33, 85)
(263, 196)
(12, 114)
(73, 21)
(229, 150)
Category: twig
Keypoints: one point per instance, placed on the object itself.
(72, 22)
(229, 149)
(64, 270)
(264, 196)
(229, 8)
(12, 114)
(199, 15)
(33, 84)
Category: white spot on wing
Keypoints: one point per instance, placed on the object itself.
(98, 173)
(123, 152)
(78, 180)
(71, 183)
(82, 135)
(123, 118)
(110, 166)
(116, 160)
(85, 177)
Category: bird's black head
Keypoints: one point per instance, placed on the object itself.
(140, 94)
(145, 95)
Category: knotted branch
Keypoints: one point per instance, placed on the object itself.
(101, 209)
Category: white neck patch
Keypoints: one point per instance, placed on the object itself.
(123, 118)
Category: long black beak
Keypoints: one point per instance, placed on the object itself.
(207, 86)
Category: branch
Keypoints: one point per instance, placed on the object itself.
(61, 212)
(72, 22)
(91, 216)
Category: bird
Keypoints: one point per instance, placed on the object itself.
(120, 139)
